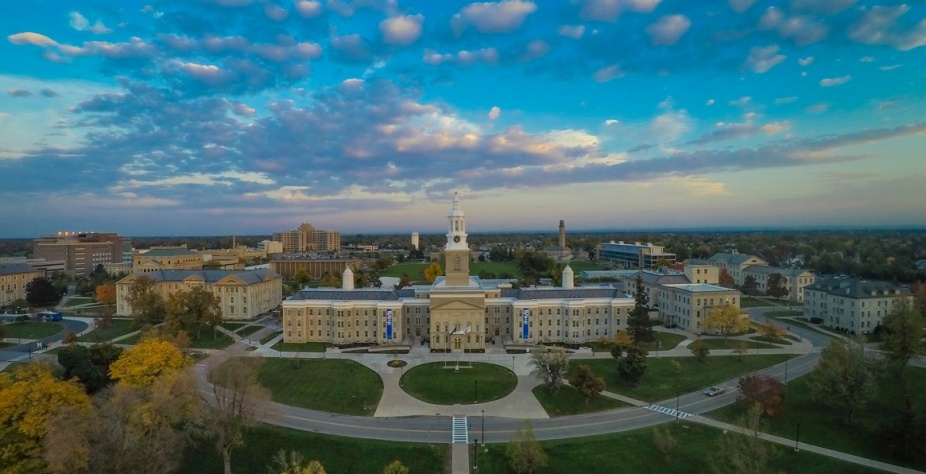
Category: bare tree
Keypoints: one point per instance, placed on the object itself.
(550, 366)
(238, 401)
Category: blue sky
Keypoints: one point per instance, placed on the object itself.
(252, 116)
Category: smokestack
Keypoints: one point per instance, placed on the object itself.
(562, 234)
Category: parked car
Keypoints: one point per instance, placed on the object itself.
(714, 391)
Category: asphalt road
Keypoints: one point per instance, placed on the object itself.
(18, 351)
(436, 429)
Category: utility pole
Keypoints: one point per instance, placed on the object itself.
(676, 404)
(786, 371)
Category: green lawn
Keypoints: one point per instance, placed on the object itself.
(232, 326)
(568, 401)
(825, 425)
(336, 454)
(300, 346)
(270, 337)
(667, 340)
(119, 327)
(413, 270)
(32, 330)
(332, 385)
(635, 451)
(207, 341)
(783, 314)
(433, 383)
(78, 300)
(719, 343)
(248, 330)
(578, 266)
(751, 302)
(662, 380)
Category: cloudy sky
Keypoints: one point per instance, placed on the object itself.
(252, 116)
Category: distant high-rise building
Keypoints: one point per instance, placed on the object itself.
(306, 238)
(414, 241)
(83, 251)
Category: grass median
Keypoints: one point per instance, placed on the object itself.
(667, 375)
(569, 401)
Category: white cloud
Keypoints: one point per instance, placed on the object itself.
(275, 12)
(701, 186)
(609, 10)
(29, 37)
(803, 30)
(878, 25)
(463, 58)
(401, 30)
(773, 128)
(204, 179)
(785, 100)
(494, 112)
(742, 101)
(668, 29)
(888, 68)
(709, 102)
(805, 61)
(835, 81)
(80, 23)
(611, 122)
(608, 73)
(866, 59)
(534, 49)
(669, 126)
(763, 58)
(309, 9)
(571, 31)
(739, 6)
(490, 17)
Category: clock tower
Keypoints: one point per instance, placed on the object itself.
(456, 251)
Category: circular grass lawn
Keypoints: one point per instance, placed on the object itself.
(432, 383)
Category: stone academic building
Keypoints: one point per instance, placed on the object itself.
(458, 311)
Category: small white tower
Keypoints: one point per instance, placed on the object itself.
(568, 278)
(347, 279)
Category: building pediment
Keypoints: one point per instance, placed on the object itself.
(456, 304)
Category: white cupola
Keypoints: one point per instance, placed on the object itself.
(347, 279)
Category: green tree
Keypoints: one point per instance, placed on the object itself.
(550, 366)
(191, 309)
(533, 266)
(740, 348)
(524, 452)
(330, 281)
(844, 377)
(587, 383)
(726, 319)
(904, 436)
(632, 366)
(75, 359)
(148, 306)
(41, 292)
(638, 323)
(775, 287)
(699, 349)
(749, 285)
(302, 277)
(903, 334)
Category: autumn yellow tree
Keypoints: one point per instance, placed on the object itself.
(293, 463)
(28, 399)
(106, 294)
(726, 319)
(143, 363)
(432, 272)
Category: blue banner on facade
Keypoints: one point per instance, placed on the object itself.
(388, 324)
(524, 323)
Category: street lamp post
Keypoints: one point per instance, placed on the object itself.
(676, 404)
(797, 437)
(786, 371)
(475, 454)
(475, 391)
(657, 349)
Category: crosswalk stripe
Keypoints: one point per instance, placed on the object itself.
(459, 432)
(668, 411)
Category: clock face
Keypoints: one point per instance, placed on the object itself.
(456, 238)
